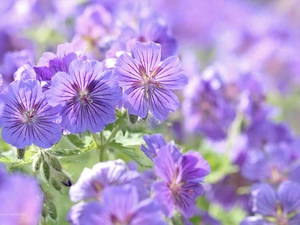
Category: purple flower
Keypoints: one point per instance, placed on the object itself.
(207, 108)
(27, 117)
(120, 205)
(14, 211)
(275, 208)
(148, 82)
(49, 64)
(180, 185)
(275, 163)
(88, 96)
(92, 182)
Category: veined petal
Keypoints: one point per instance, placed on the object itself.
(289, 196)
(164, 164)
(135, 101)
(154, 142)
(162, 102)
(264, 201)
(163, 195)
(128, 71)
(169, 74)
(148, 55)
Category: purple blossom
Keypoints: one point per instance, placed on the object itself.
(13, 211)
(50, 63)
(275, 208)
(120, 205)
(180, 185)
(27, 117)
(208, 109)
(92, 182)
(148, 82)
(88, 96)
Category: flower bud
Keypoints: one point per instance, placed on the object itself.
(45, 210)
(20, 152)
(52, 210)
(55, 184)
(45, 172)
(36, 163)
(132, 118)
(54, 163)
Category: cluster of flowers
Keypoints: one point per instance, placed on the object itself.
(117, 193)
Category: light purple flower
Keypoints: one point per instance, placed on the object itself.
(120, 205)
(92, 182)
(88, 96)
(19, 207)
(180, 185)
(27, 117)
(148, 82)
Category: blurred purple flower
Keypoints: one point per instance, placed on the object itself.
(276, 208)
(208, 106)
(180, 180)
(27, 117)
(148, 82)
(120, 205)
(88, 96)
(14, 211)
(92, 182)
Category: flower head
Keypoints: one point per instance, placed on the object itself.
(148, 81)
(88, 96)
(27, 117)
(180, 185)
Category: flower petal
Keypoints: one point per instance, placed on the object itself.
(135, 101)
(163, 195)
(162, 102)
(169, 74)
(289, 196)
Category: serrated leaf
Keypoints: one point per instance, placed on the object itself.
(75, 140)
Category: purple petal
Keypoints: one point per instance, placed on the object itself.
(90, 213)
(289, 196)
(255, 221)
(295, 220)
(148, 55)
(163, 195)
(265, 201)
(154, 142)
(169, 74)
(164, 164)
(128, 71)
(135, 101)
(162, 102)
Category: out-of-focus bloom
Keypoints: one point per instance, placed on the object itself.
(120, 205)
(92, 182)
(275, 208)
(148, 82)
(275, 163)
(180, 184)
(13, 210)
(50, 63)
(208, 109)
(88, 96)
(265, 131)
(27, 117)
(11, 62)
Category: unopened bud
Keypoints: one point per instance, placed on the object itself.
(20, 152)
(36, 163)
(55, 184)
(54, 163)
(45, 210)
(45, 171)
(52, 210)
(132, 118)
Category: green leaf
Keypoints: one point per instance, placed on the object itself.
(133, 152)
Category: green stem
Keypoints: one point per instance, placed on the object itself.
(112, 135)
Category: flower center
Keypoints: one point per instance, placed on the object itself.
(84, 97)
(28, 116)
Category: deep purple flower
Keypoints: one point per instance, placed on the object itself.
(275, 208)
(92, 182)
(120, 205)
(180, 185)
(148, 82)
(208, 108)
(27, 117)
(16, 206)
(88, 96)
